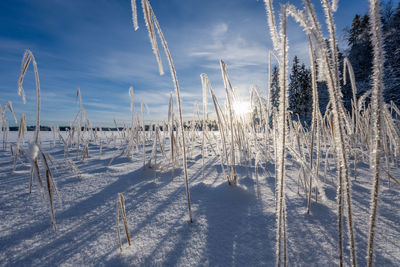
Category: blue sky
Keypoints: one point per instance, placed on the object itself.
(91, 44)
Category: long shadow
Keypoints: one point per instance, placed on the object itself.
(99, 200)
(97, 213)
(246, 241)
(213, 239)
(308, 233)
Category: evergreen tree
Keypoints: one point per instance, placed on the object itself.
(305, 92)
(294, 88)
(274, 91)
(360, 54)
(392, 61)
(300, 95)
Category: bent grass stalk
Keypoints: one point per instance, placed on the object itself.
(151, 23)
(34, 148)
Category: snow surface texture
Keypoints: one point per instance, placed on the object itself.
(233, 225)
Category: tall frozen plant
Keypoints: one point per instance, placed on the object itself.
(280, 43)
(152, 25)
(28, 58)
(377, 100)
(34, 149)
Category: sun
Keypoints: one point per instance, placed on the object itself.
(242, 108)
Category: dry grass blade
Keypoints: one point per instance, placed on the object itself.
(53, 218)
(122, 201)
(150, 19)
(28, 57)
(36, 168)
(48, 170)
(117, 220)
(134, 15)
(121, 207)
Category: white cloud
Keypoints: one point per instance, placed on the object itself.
(233, 48)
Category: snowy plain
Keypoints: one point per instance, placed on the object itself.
(233, 225)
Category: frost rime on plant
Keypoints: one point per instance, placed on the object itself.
(152, 24)
(281, 45)
(377, 100)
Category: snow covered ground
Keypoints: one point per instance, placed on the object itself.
(233, 225)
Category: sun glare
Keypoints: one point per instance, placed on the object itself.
(242, 108)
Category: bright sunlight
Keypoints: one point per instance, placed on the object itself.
(242, 108)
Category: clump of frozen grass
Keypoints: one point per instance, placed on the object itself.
(33, 155)
(229, 97)
(221, 126)
(329, 72)
(4, 121)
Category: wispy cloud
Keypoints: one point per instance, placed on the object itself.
(232, 47)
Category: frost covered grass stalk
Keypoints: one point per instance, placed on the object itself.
(280, 43)
(28, 57)
(265, 113)
(355, 111)
(229, 93)
(121, 208)
(80, 117)
(21, 133)
(315, 124)
(152, 25)
(171, 133)
(377, 100)
(205, 117)
(143, 135)
(339, 117)
(50, 183)
(283, 99)
(4, 121)
(221, 127)
(129, 133)
(32, 154)
(268, 111)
